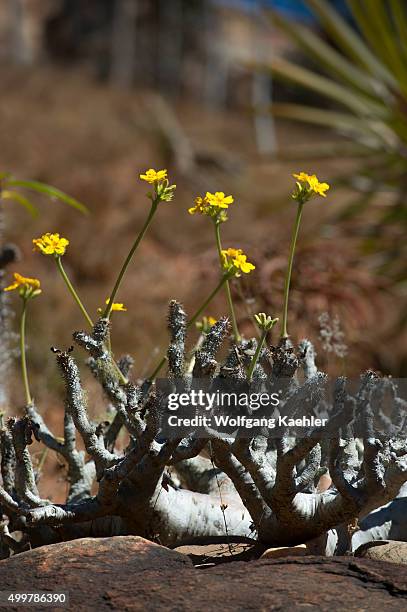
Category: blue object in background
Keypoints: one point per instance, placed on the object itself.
(298, 10)
(293, 9)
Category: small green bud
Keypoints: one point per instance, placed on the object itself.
(264, 322)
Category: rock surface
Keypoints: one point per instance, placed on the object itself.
(391, 551)
(205, 555)
(129, 573)
(285, 551)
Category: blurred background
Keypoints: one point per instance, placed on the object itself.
(228, 95)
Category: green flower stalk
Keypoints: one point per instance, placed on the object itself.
(24, 371)
(265, 324)
(28, 288)
(215, 205)
(307, 186)
(55, 246)
(235, 328)
(287, 282)
(72, 291)
(163, 192)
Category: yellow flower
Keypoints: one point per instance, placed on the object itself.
(28, 287)
(163, 191)
(311, 185)
(201, 206)
(218, 199)
(117, 307)
(213, 205)
(205, 324)
(51, 244)
(153, 176)
(302, 176)
(235, 261)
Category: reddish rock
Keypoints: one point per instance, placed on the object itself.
(129, 573)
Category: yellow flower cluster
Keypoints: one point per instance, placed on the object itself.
(154, 176)
(235, 261)
(28, 287)
(211, 204)
(51, 244)
(164, 192)
(201, 206)
(308, 186)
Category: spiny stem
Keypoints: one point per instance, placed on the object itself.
(284, 333)
(256, 355)
(129, 257)
(24, 373)
(227, 286)
(72, 291)
(191, 321)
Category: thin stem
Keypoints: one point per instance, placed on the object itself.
(77, 299)
(129, 257)
(256, 354)
(227, 286)
(72, 291)
(24, 373)
(294, 237)
(193, 352)
(191, 321)
(209, 299)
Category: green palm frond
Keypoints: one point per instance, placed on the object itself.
(360, 74)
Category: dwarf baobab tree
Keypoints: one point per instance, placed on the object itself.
(260, 486)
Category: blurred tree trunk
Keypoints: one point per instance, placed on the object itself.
(217, 66)
(262, 96)
(124, 39)
(170, 45)
(28, 19)
(8, 255)
(21, 52)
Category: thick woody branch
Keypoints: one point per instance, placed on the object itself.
(76, 407)
(187, 449)
(54, 515)
(8, 460)
(10, 504)
(251, 453)
(177, 325)
(241, 479)
(26, 488)
(79, 481)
